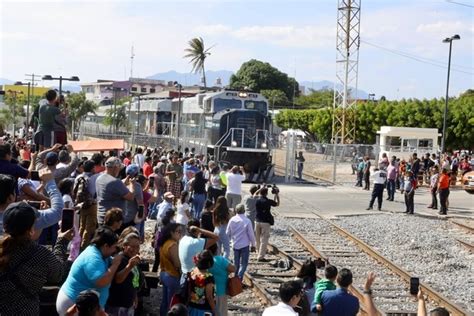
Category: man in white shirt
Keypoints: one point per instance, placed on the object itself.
(380, 177)
(290, 294)
(240, 231)
(139, 159)
(234, 186)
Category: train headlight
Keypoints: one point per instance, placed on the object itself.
(233, 143)
(264, 145)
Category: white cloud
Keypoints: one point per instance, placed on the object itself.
(445, 27)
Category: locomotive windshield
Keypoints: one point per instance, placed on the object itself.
(256, 105)
(222, 104)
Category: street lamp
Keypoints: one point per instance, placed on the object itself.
(19, 83)
(450, 41)
(371, 95)
(60, 78)
(178, 117)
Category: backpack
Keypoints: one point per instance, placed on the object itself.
(81, 193)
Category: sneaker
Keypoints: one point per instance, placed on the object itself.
(379, 209)
(429, 206)
(442, 213)
(368, 209)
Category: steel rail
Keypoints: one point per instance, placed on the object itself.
(467, 228)
(453, 308)
(357, 293)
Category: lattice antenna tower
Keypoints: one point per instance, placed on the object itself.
(347, 64)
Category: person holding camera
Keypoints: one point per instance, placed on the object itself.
(234, 186)
(264, 219)
(50, 158)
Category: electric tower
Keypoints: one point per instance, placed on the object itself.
(347, 63)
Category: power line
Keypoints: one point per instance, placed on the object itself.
(460, 3)
(418, 58)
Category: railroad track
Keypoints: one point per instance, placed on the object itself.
(306, 175)
(340, 248)
(463, 232)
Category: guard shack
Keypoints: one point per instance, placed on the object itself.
(404, 141)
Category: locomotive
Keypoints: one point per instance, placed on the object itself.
(234, 125)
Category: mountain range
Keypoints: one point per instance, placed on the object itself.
(190, 79)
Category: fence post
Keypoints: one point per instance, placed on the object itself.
(334, 157)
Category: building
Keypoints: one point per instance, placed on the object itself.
(36, 91)
(105, 91)
(403, 141)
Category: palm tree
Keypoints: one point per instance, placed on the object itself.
(198, 54)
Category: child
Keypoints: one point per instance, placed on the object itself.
(206, 217)
(330, 274)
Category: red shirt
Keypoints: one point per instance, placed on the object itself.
(126, 161)
(444, 180)
(147, 169)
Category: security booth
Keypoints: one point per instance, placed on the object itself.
(404, 141)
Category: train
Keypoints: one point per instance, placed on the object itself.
(232, 126)
(235, 126)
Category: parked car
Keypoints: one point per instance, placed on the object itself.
(468, 182)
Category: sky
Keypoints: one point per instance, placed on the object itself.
(93, 39)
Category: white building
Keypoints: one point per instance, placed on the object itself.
(403, 141)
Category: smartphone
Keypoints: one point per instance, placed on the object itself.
(34, 175)
(151, 182)
(33, 148)
(140, 210)
(35, 204)
(67, 220)
(414, 286)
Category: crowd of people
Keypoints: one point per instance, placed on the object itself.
(79, 222)
(398, 174)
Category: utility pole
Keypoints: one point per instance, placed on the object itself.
(31, 79)
(131, 62)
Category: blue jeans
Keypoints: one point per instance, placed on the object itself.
(391, 189)
(170, 286)
(223, 243)
(241, 260)
(198, 204)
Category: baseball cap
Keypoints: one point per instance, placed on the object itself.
(51, 158)
(132, 170)
(112, 162)
(18, 218)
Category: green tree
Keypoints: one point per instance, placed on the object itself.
(276, 98)
(257, 75)
(316, 99)
(198, 54)
(13, 112)
(78, 108)
(403, 113)
(117, 115)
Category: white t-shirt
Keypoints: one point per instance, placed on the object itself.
(139, 160)
(281, 309)
(181, 217)
(234, 183)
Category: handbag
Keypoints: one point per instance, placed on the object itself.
(234, 286)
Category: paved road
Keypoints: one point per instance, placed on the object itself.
(300, 199)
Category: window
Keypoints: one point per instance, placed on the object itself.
(256, 105)
(134, 89)
(143, 89)
(152, 90)
(222, 104)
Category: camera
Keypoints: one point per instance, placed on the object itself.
(275, 189)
